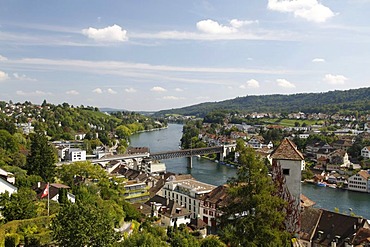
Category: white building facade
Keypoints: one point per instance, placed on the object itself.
(187, 193)
(76, 155)
(365, 152)
(360, 181)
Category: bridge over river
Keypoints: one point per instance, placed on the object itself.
(221, 150)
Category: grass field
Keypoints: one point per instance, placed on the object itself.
(291, 122)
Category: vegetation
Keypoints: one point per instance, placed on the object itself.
(82, 224)
(254, 215)
(65, 122)
(42, 158)
(354, 100)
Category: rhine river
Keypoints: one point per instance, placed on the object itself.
(213, 173)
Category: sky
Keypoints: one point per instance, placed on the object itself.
(153, 55)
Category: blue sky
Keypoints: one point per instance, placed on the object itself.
(153, 55)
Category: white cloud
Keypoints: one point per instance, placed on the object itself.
(335, 79)
(172, 98)
(285, 83)
(311, 10)
(2, 58)
(239, 23)
(23, 77)
(213, 27)
(251, 84)
(179, 90)
(97, 90)
(318, 60)
(130, 90)
(35, 93)
(111, 34)
(72, 92)
(111, 91)
(158, 89)
(3, 76)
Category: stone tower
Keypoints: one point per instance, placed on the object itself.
(287, 164)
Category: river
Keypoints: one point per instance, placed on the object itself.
(213, 173)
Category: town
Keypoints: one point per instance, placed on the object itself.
(333, 151)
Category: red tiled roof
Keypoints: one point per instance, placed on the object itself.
(287, 150)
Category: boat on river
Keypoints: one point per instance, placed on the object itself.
(321, 184)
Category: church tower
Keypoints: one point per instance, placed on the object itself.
(287, 164)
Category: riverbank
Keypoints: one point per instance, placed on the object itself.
(149, 130)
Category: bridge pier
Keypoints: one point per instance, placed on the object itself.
(190, 162)
(221, 157)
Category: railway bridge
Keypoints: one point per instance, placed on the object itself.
(222, 150)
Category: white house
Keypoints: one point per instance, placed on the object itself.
(6, 182)
(256, 142)
(6, 186)
(360, 181)
(186, 191)
(170, 212)
(8, 176)
(365, 152)
(75, 154)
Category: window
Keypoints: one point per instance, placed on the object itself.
(286, 172)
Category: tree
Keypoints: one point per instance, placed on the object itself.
(144, 239)
(7, 142)
(83, 169)
(83, 224)
(18, 206)
(254, 215)
(41, 159)
(182, 238)
(212, 241)
(123, 132)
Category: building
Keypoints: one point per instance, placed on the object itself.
(287, 163)
(186, 191)
(360, 181)
(211, 204)
(7, 181)
(365, 152)
(75, 154)
(53, 191)
(170, 212)
(136, 191)
(152, 166)
(343, 144)
(339, 157)
(256, 142)
(325, 228)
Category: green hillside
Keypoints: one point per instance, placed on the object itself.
(329, 102)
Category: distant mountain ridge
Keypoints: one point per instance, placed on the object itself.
(328, 102)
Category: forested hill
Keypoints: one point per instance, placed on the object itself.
(329, 102)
